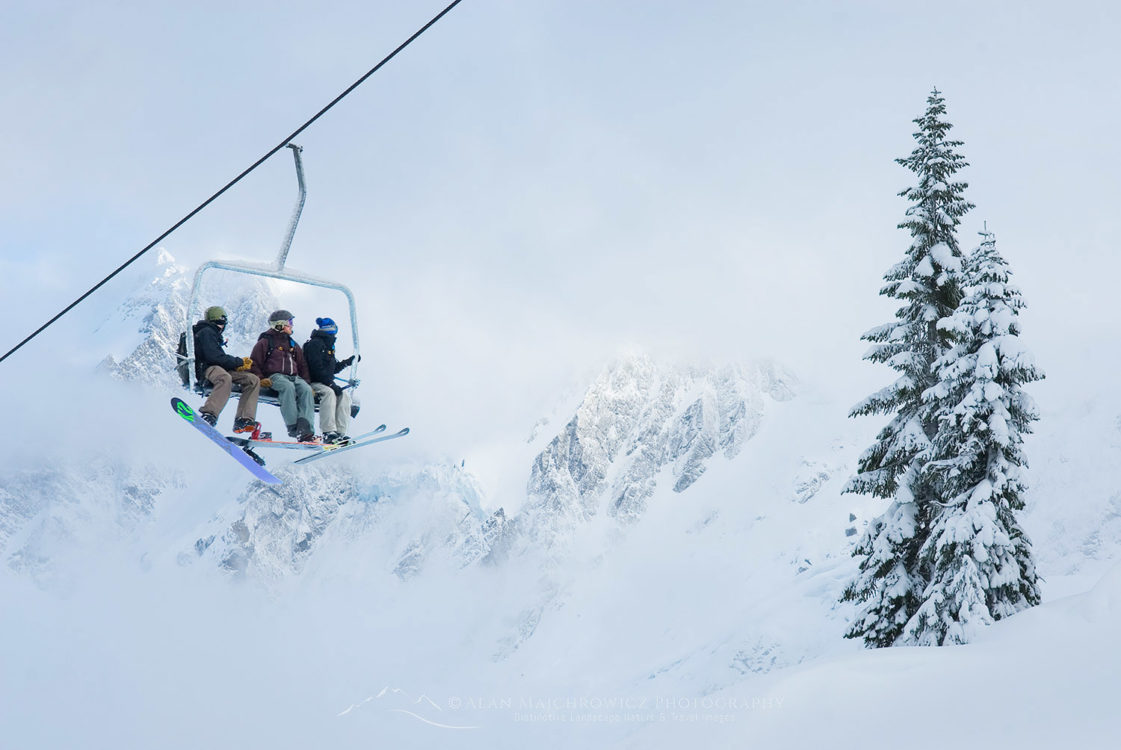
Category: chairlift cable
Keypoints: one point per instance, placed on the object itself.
(237, 179)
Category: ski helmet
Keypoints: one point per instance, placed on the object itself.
(279, 318)
(216, 314)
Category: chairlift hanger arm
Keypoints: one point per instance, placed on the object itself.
(298, 211)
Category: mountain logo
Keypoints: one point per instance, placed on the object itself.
(398, 701)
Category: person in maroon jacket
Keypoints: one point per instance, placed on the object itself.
(279, 362)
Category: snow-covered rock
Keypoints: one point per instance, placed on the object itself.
(52, 513)
(273, 532)
(641, 423)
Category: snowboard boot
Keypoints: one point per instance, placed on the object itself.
(209, 418)
(241, 424)
(330, 438)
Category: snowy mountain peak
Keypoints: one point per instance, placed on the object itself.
(146, 326)
(641, 423)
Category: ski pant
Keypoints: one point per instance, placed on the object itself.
(296, 399)
(223, 382)
(334, 411)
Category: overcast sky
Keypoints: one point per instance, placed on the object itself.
(535, 186)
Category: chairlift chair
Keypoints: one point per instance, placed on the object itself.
(276, 271)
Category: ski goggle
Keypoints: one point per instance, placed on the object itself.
(278, 324)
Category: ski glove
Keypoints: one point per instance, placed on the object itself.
(246, 363)
(350, 360)
(266, 382)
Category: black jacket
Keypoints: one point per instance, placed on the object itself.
(209, 350)
(319, 351)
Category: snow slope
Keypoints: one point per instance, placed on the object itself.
(1048, 677)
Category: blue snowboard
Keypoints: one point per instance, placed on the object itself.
(239, 455)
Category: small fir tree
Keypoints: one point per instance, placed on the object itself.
(927, 284)
(977, 558)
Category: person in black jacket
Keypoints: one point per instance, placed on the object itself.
(223, 370)
(334, 402)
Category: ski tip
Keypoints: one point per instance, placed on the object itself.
(183, 409)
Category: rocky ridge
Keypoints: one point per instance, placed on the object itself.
(638, 421)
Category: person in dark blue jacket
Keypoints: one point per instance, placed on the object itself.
(223, 370)
(334, 402)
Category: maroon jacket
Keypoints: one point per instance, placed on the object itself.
(276, 352)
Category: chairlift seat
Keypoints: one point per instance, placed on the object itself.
(264, 396)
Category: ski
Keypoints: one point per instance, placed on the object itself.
(296, 445)
(316, 444)
(377, 430)
(288, 444)
(241, 455)
(332, 450)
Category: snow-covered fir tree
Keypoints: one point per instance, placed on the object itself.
(927, 283)
(976, 557)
